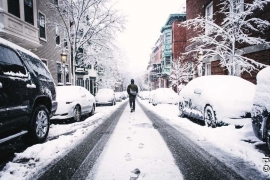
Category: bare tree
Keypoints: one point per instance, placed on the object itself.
(89, 26)
(180, 72)
(220, 41)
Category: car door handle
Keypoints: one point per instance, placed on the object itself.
(31, 86)
(1, 86)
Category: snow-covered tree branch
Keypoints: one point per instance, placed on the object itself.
(180, 73)
(90, 27)
(221, 41)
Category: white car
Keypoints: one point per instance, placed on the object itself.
(151, 96)
(144, 95)
(164, 96)
(73, 102)
(216, 98)
(105, 96)
(118, 97)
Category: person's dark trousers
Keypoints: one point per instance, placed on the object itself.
(132, 102)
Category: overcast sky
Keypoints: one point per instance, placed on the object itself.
(145, 19)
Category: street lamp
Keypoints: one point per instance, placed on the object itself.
(64, 60)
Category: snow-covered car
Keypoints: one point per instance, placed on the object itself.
(118, 97)
(260, 113)
(216, 98)
(74, 102)
(164, 96)
(151, 96)
(105, 96)
(144, 95)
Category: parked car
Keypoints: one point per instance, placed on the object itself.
(261, 107)
(27, 94)
(105, 97)
(123, 95)
(74, 102)
(151, 96)
(164, 96)
(118, 97)
(216, 97)
(144, 95)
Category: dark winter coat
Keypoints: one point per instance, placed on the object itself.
(133, 87)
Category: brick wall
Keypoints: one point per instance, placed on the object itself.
(179, 39)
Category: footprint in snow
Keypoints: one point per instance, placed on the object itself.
(128, 158)
(141, 145)
(129, 138)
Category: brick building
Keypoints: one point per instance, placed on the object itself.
(210, 8)
(170, 45)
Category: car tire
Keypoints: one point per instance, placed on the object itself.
(93, 110)
(210, 117)
(39, 127)
(181, 107)
(77, 114)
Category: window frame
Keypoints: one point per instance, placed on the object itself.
(10, 8)
(26, 16)
(238, 9)
(45, 32)
(57, 36)
(209, 8)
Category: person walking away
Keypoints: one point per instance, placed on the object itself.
(132, 91)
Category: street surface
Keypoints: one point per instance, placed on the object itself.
(139, 145)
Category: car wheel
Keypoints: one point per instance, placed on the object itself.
(39, 127)
(93, 110)
(77, 113)
(181, 107)
(210, 117)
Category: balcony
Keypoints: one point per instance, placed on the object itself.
(18, 31)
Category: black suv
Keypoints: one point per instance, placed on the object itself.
(27, 94)
(260, 113)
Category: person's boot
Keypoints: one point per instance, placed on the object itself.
(131, 110)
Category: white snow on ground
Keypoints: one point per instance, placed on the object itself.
(226, 138)
(135, 144)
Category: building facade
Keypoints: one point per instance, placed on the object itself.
(169, 47)
(27, 24)
(210, 9)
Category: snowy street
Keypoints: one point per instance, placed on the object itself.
(139, 148)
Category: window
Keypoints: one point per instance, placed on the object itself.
(42, 29)
(28, 11)
(80, 82)
(167, 61)
(65, 40)
(237, 6)
(208, 17)
(14, 7)
(67, 73)
(10, 63)
(208, 69)
(168, 38)
(59, 73)
(57, 35)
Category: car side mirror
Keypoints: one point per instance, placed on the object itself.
(197, 91)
